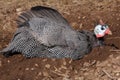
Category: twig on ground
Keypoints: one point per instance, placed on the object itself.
(112, 78)
(116, 50)
(93, 63)
(60, 74)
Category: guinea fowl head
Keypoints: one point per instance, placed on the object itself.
(102, 29)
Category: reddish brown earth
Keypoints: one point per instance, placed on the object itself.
(100, 64)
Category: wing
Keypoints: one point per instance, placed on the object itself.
(46, 25)
(41, 12)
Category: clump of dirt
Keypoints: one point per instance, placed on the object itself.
(100, 64)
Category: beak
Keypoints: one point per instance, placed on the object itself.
(108, 31)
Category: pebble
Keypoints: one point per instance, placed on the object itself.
(44, 60)
(64, 63)
(70, 61)
(117, 24)
(39, 74)
(74, 24)
(86, 64)
(80, 78)
(67, 13)
(79, 17)
(118, 78)
(109, 65)
(65, 78)
(117, 74)
(83, 17)
(118, 58)
(19, 11)
(32, 69)
(111, 56)
(102, 63)
(26, 68)
(118, 19)
(86, 74)
(36, 65)
(47, 66)
(114, 66)
(8, 61)
(45, 74)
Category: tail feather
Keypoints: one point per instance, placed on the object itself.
(23, 19)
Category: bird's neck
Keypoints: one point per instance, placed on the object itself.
(99, 41)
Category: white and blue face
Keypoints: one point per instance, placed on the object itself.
(102, 30)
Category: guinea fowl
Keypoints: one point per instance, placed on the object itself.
(43, 32)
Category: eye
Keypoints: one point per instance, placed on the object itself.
(102, 28)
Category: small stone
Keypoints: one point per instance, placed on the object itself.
(44, 60)
(39, 74)
(111, 56)
(74, 24)
(118, 58)
(118, 18)
(45, 74)
(47, 66)
(118, 78)
(18, 79)
(117, 74)
(70, 61)
(27, 69)
(86, 74)
(64, 63)
(117, 24)
(114, 66)
(86, 64)
(67, 13)
(19, 11)
(32, 69)
(8, 61)
(109, 65)
(36, 65)
(102, 63)
(84, 17)
(65, 78)
(80, 78)
(79, 17)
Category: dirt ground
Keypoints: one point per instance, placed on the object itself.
(100, 64)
